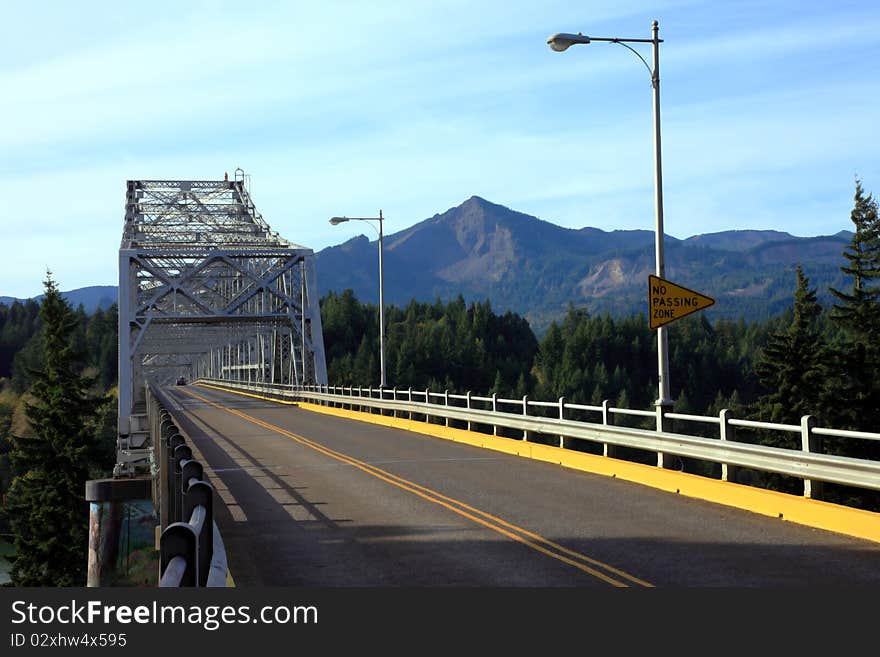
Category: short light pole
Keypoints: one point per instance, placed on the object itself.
(562, 41)
(335, 221)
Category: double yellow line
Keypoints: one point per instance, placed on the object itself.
(598, 569)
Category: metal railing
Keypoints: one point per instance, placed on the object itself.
(808, 463)
(185, 502)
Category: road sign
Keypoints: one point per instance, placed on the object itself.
(668, 302)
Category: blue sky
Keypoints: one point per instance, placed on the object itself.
(769, 111)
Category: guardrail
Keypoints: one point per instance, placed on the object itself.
(807, 463)
(185, 502)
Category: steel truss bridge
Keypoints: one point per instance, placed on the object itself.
(208, 289)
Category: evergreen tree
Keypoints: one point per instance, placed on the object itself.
(48, 513)
(791, 364)
(858, 310)
(857, 352)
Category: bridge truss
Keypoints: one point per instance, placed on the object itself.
(207, 288)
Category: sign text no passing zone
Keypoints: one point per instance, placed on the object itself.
(668, 302)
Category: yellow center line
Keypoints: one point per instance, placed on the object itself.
(530, 539)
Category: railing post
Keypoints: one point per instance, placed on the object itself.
(525, 402)
(370, 410)
(201, 493)
(562, 417)
(166, 503)
(608, 421)
(446, 403)
(394, 392)
(178, 540)
(812, 444)
(494, 410)
(181, 453)
(664, 460)
(468, 401)
(427, 405)
(728, 472)
(190, 469)
(409, 394)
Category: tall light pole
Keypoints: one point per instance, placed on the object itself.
(560, 42)
(338, 220)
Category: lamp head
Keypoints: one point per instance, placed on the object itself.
(563, 41)
(335, 221)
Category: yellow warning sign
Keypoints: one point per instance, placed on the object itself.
(668, 302)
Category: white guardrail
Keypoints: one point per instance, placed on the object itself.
(807, 463)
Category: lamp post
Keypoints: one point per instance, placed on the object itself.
(335, 221)
(561, 42)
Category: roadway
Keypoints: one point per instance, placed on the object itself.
(307, 499)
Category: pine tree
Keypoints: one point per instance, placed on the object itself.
(791, 364)
(48, 513)
(498, 386)
(859, 310)
(857, 356)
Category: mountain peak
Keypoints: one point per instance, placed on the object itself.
(478, 200)
(477, 204)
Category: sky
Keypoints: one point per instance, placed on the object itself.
(769, 113)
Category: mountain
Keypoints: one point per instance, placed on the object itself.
(91, 298)
(737, 240)
(477, 249)
(483, 250)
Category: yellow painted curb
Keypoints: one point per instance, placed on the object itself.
(804, 511)
(248, 394)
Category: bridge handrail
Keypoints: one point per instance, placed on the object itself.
(174, 574)
(753, 424)
(843, 433)
(808, 463)
(186, 507)
(694, 418)
(632, 411)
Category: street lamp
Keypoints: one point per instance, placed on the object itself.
(335, 221)
(561, 42)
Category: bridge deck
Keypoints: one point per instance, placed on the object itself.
(314, 500)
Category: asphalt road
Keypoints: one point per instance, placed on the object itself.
(308, 499)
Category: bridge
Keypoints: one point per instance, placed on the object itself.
(254, 471)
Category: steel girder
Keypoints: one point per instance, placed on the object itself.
(207, 288)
